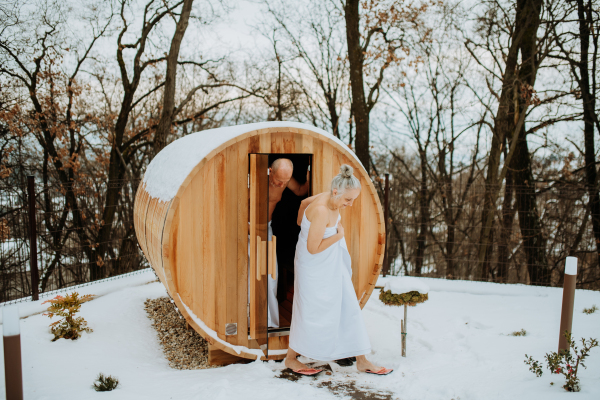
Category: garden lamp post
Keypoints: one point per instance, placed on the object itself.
(13, 375)
(566, 317)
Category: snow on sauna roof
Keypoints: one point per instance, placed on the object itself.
(167, 171)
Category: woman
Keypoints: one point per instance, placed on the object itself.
(326, 320)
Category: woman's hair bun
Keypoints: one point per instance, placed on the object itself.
(346, 171)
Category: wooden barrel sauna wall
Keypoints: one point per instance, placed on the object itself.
(192, 214)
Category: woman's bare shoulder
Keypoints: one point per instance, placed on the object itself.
(318, 211)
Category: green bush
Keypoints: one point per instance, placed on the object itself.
(411, 298)
(567, 362)
(105, 383)
(70, 326)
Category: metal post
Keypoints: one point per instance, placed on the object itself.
(566, 316)
(33, 263)
(386, 205)
(403, 326)
(13, 372)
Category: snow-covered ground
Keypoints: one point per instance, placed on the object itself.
(458, 347)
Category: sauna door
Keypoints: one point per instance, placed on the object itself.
(260, 256)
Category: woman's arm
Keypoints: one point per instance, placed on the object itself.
(315, 242)
(303, 206)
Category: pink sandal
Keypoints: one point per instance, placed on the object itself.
(381, 371)
(307, 372)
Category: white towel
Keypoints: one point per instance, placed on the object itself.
(327, 322)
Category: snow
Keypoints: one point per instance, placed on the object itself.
(459, 346)
(406, 284)
(10, 316)
(28, 308)
(571, 266)
(167, 171)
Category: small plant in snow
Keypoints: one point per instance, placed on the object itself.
(534, 366)
(105, 383)
(567, 362)
(590, 310)
(67, 306)
(522, 332)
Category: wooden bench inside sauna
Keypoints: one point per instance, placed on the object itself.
(201, 220)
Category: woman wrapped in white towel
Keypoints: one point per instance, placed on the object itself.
(327, 323)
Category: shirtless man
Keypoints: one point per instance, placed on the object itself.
(280, 177)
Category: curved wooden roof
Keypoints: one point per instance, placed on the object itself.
(169, 169)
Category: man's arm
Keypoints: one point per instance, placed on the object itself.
(297, 188)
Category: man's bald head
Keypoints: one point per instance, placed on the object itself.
(282, 163)
(281, 172)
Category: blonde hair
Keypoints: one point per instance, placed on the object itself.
(344, 180)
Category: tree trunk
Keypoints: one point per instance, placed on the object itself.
(534, 242)
(333, 115)
(589, 116)
(423, 216)
(503, 124)
(508, 217)
(166, 119)
(526, 25)
(356, 59)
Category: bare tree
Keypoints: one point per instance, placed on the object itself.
(517, 94)
(578, 23)
(166, 119)
(382, 41)
(313, 35)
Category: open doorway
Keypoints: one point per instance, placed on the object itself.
(286, 229)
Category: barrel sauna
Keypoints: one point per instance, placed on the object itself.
(201, 220)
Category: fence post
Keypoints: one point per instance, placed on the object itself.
(33, 262)
(13, 371)
(386, 204)
(566, 315)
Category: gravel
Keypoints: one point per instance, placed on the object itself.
(184, 348)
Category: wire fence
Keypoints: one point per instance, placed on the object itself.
(437, 231)
(67, 237)
(433, 232)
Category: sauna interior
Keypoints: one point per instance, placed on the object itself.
(286, 230)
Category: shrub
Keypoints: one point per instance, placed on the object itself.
(567, 362)
(70, 326)
(522, 332)
(411, 298)
(590, 310)
(105, 383)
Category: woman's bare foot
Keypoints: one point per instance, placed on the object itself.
(362, 364)
(292, 362)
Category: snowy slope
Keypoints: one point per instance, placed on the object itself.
(458, 347)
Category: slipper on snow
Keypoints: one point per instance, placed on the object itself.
(381, 371)
(345, 362)
(307, 372)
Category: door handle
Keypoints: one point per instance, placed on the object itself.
(273, 257)
(258, 268)
(261, 258)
